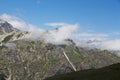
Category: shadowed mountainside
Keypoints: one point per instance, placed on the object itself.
(111, 72)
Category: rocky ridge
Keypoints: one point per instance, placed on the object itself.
(22, 59)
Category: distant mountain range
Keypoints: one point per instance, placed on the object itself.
(24, 59)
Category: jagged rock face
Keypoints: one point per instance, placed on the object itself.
(9, 33)
(5, 27)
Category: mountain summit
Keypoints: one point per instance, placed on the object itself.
(9, 33)
(5, 27)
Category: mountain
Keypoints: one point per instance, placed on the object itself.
(5, 27)
(24, 59)
(111, 72)
(9, 33)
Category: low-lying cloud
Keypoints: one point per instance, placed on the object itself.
(103, 44)
(57, 36)
(63, 31)
(9, 44)
(111, 44)
(19, 24)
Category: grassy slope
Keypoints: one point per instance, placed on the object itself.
(36, 60)
(107, 73)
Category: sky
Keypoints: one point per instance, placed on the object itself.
(96, 18)
(102, 16)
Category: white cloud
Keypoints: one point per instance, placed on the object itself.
(92, 35)
(55, 24)
(116, 33)
(19, 24)
(111, 44)
(101, 43)
(24, 26)
(89, 39)
(65, 31)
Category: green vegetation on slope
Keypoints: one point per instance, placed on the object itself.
(36, 60)
(2, 77)
(6, 39)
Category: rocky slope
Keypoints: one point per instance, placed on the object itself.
(22, 59)
(5, 27)
(36, 60)
(9, 33)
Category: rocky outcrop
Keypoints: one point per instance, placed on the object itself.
(5, 27)
(9, 33)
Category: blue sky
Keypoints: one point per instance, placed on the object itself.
(98, 20)
(97, 16)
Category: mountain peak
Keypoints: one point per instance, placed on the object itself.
(5, 27)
